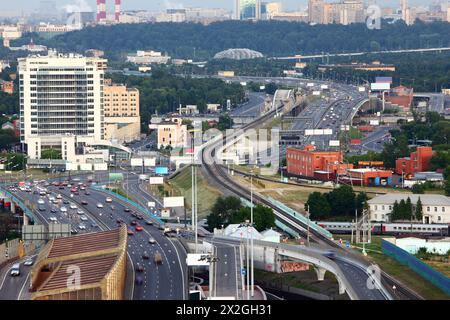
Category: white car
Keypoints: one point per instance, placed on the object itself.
(53, 219)
(108, 199)
(73, 206)
(82, 227)
(83, 218)
(51, 198)
(28, 262)
(15, 270)
(41, 201)
(99, 205)
(63, 209)
(59, 196)
(80, 212)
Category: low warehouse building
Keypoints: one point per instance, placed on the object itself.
(86, 267)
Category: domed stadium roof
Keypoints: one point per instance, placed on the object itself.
(238, 54)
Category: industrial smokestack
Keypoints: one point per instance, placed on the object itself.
(117, 11)
(101, 10)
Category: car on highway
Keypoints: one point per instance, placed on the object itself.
(94, 225)
(99, 205)
(130, 232)
(108, 200)
(53, 219)
(73, 206)
(66, 201)
(145, 255)
(138, 228)
(151, 241)
(133, 223)
(28, 262)
(139, 281)
(157, 258)
(42, 208)
(330, 254)
(15, 270)
(73, 190)
(126, 209)
(139, 267)
(84, 203)
(41, 201)
(148, 222)
(80, 212)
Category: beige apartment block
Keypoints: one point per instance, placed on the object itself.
(122, 117)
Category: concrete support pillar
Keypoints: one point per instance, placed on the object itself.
(320, 273)
(342, 287)
(277, 262)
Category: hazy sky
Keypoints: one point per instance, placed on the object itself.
(31, 5)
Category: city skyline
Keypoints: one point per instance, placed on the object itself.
(27, 6)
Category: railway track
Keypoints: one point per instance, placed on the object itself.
(216, 172)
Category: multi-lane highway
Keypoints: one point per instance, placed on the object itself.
(166, 281)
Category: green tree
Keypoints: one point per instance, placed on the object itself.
(225, 122)
(223, 211)
(263, 217)
(361, 202)
(418, 188)
(395, 214)
(418, 214)
(318, 206)
(342, 201)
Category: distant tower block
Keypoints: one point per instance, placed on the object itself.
(117, 11)
(101, 10)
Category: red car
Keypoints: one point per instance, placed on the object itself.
(73, 190)
(130, 232)
(139, 228)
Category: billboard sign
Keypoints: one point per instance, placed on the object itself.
(162, 170)
(335, 143)
(197, 260)
(116, 176)
(86, 167)
(100, 166)
(173, 202)
(136, 162)
(149, 162)
(156, 180)
(380, 86)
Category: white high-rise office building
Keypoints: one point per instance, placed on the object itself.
(61, 103)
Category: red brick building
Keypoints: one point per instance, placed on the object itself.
(418, 161)
(370, 177)
(307, 161)
(401, 96)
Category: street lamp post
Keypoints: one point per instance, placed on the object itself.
(251, 230)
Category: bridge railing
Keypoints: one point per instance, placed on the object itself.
(300, 217)
(130, 202)
(18, 201)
